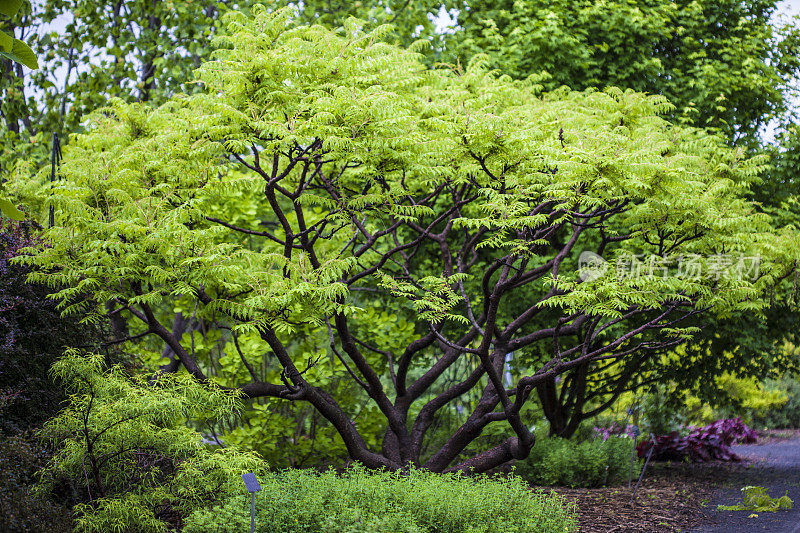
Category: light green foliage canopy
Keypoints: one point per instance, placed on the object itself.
(321, 172)
(126, 443)
(726, 66)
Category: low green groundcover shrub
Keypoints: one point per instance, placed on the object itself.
(362, 501)
(591, 463)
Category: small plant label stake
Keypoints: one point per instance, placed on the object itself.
(633, 453)
(252, 485)
(641, 475)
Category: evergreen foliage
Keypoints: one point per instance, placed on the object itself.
(569, 463)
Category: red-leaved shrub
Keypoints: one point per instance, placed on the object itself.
(710, 443)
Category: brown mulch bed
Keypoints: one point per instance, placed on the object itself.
(671, 497)
(660, 505)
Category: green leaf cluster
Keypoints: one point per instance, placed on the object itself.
(10, 47)
(126, 443)
(757, 499)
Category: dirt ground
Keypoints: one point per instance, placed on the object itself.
(667, 500)
(684, 497)
(774, 465)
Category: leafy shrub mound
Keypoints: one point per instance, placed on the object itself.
(362, 501)
(708, 443)
(591, 463)
(123, 442)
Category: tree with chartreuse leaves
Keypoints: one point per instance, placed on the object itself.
(726, 66)
(323, 172)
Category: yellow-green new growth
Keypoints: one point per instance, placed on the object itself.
(757, 499)
(325, 174)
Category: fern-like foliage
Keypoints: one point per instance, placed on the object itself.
(325, 173)
(757, 499)
(126, 445)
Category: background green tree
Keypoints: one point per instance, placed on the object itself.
(726, 66)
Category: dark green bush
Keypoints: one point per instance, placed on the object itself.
(591, 463)
(33, 334)
(360, 501)
(20, 510)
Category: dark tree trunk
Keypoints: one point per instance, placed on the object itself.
(564, 407)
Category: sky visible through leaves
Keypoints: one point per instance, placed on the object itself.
(445, 22)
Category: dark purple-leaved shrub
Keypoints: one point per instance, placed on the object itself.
(709, 443)
(32, 336)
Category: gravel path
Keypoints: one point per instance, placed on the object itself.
(775, 466)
